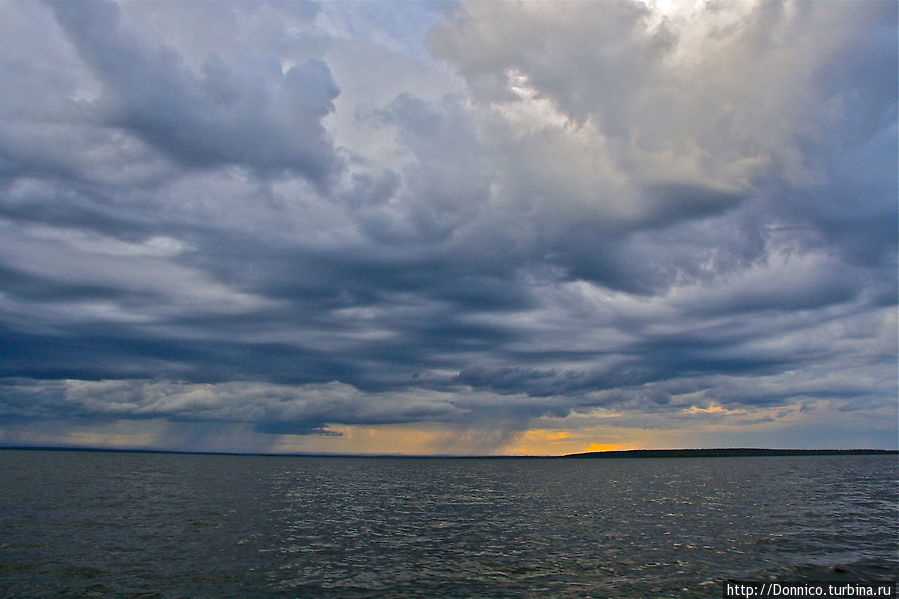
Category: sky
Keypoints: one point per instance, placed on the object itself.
(448, 228)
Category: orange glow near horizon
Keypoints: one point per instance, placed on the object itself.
(696, 426)
(434, 440)
(602, 447)
(543, 442)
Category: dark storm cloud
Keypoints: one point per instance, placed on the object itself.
(637, 213)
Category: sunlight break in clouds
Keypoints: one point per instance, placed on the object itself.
(485, 227)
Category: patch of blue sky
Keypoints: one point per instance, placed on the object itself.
(401, 26)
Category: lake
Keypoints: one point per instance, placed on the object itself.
(85, 524)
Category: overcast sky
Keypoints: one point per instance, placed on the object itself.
(462, 228)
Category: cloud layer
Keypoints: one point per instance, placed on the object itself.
(292, 218)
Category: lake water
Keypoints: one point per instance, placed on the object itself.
(84, 524)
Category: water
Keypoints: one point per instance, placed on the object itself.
(81, 524)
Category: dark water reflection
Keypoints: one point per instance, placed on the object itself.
(156, 525)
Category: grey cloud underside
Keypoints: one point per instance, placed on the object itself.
(575, 226)
(245, 112)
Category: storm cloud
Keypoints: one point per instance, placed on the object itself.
(295, 218)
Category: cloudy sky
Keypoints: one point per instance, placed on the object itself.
(465, 228)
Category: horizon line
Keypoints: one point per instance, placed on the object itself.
(621, 453)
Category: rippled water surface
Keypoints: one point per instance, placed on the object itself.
(81, 524)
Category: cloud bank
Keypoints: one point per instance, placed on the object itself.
(288, 223)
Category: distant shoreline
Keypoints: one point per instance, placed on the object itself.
(736, 452)
(622, 454)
